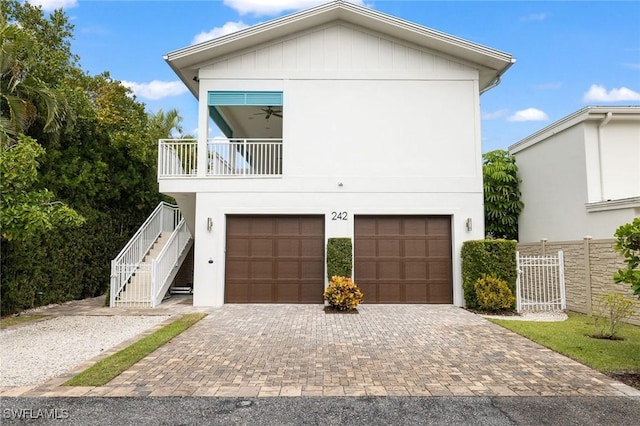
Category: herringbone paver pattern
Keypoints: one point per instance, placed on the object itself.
(298, 350)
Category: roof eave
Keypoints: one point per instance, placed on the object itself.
(585, 114)
(491, 63)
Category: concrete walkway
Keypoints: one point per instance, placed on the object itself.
(384, 350)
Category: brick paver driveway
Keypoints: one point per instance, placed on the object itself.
(298, 350)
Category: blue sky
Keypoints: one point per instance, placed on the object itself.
(569, 54)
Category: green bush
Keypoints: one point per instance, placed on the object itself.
(339, 257)
(493, 294)
(343, 294)
(628, 244)
(487, 257)
(609, 312)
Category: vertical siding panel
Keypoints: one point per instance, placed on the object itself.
(428, 61)
(414, 61)
(235, 63)
(360, 50)
(262, 58)
(385, 57)
(316, 50)
(249, 61)
(303, 52)
(399, 56)
(371, 52)
(290, 53)
(345, 48)
(332, 45)
(440, 64)
(275, 56)
(339, 47)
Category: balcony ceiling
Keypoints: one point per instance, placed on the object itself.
(251, 122)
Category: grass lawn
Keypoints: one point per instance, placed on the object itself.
(11, 321)
(106, 370)
(571, 338)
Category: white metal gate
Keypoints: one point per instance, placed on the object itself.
(540, 283)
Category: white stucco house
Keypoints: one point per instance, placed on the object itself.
(580, 175)
(338, 121)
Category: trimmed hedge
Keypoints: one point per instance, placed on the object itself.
(339, 257)
(487, 257)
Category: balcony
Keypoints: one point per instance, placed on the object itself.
(233, 158)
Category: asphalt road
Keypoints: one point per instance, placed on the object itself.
(494, 411)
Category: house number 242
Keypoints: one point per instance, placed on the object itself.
(339, 215)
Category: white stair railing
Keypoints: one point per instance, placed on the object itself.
(125, 266)
(166, 265)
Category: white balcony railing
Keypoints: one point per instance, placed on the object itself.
(228, 158)
(177, 157)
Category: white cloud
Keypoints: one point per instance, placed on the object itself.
(156, 89)
(632, 66)
(529, 114)
(494, 115)
(50, 5)
(534, 17)
(227, 28)
(600, 94)
(273, 7)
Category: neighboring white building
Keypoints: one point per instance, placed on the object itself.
(342, 122)
(580, 175)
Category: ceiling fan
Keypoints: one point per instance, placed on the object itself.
(268, 112)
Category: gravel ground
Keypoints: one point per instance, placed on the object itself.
(34, 353)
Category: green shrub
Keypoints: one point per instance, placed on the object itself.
(339, 257)
(628, 243)
(487, 257)
(610, 311)
(493, 294)
(343, 294)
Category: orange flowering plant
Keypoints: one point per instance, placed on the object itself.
(343, 294)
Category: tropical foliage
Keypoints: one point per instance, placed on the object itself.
(487, 257)
(628, 243)
(502, 204)
(493, 294)
(78, 165)
(343, 294)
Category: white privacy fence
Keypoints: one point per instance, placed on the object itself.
(540, 284)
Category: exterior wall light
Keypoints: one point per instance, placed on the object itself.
(209, 224)
(469, 224)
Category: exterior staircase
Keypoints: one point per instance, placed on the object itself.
(137, 292)
(143, 271)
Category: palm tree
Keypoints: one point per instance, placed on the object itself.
(19, 90)
(165, 125)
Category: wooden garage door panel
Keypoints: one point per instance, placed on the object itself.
(274, 259)
(403, 259)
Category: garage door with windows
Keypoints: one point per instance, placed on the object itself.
(403, 259)
(274, 259)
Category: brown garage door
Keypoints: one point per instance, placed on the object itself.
(403, 259)
(274, 259)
